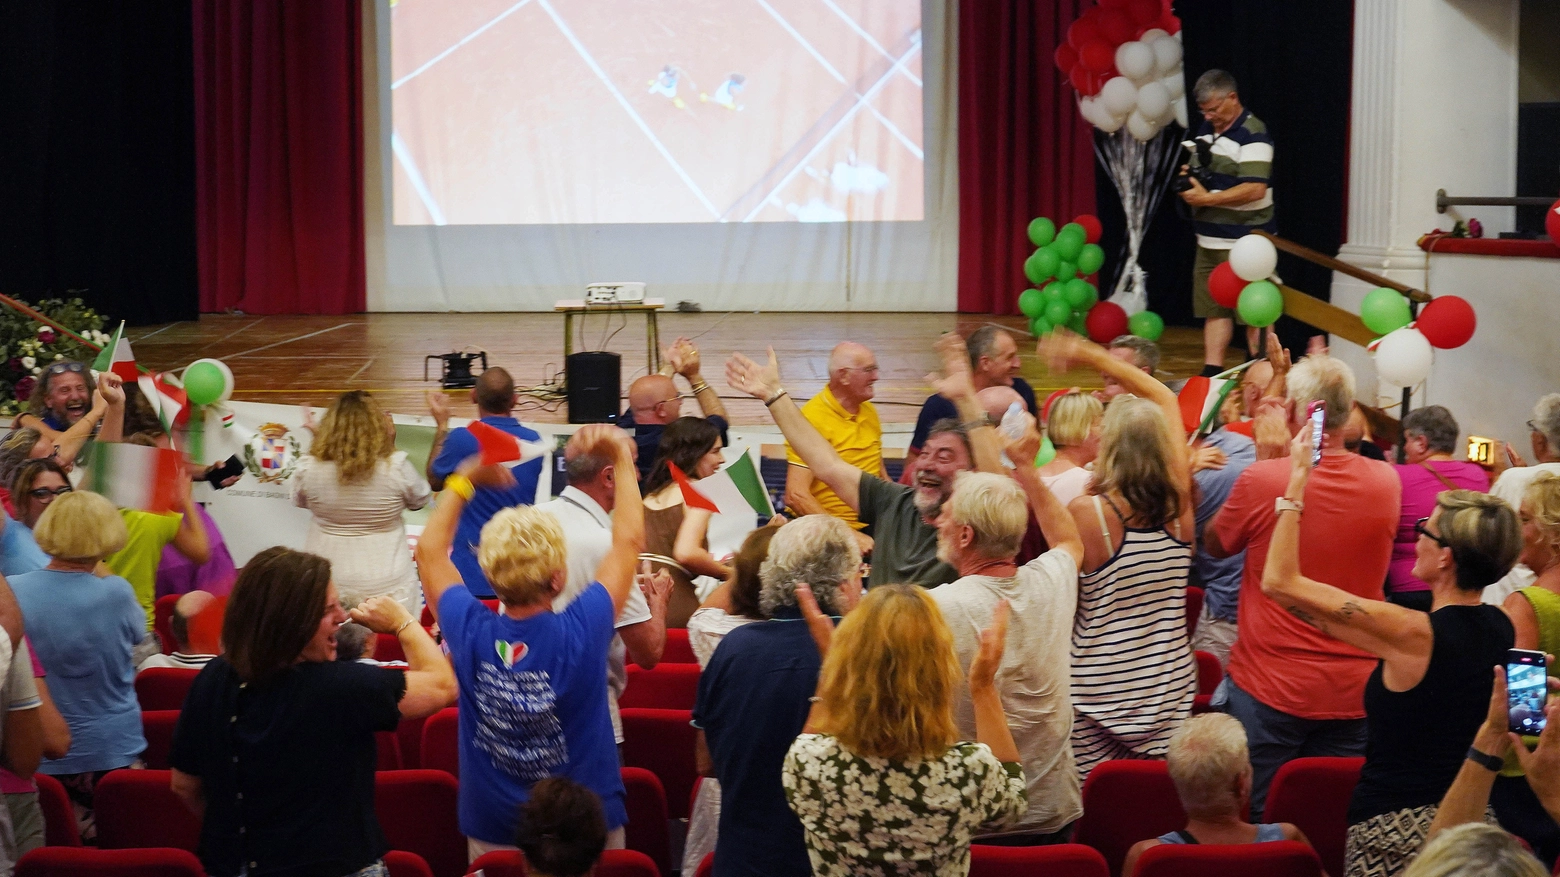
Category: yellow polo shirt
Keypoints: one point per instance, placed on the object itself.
(857, 438)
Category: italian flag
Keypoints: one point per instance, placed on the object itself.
(735, 490)
(166, 397)
(116, 356)
(1201, 397)
(136, 477)
(497, 446)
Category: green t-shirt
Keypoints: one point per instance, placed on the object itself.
(137, 561)
(904, 549)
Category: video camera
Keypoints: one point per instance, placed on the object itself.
(1202, 150)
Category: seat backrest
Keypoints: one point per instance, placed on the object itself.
(162, 621)
(387, 647)
(410, 732)
(387, 751)
(500, 863)
(157, 726)
(1059, 860)
(663, 742)
(88, 862)
(59, 817)
(401, 863)
(1209, 672)
(626, 863)
(441, 742)
(1194, 603)
(1314, 793)
(1285, 858)
(667, 687)
(647, 831)
(417, 812)
(1125, 802)
(137, 809)
(677, 650)
(163, 688)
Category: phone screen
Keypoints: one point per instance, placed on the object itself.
(1318, 416)
(1527, 690)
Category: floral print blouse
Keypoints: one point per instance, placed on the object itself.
(875, 816)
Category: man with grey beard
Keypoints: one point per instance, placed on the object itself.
(903, 520)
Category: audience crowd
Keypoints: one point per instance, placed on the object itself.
(889, 671)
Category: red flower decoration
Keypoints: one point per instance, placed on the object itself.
(46, 335)
(24, 388)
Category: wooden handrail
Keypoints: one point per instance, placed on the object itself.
(1328, 262)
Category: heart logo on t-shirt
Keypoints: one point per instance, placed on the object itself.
(511, 653)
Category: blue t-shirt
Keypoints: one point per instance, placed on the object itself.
(752, 703)
(1221, 575)
(19, 552)
(83, 629)
(459, 445)
(1267, 832)
(533, 704)
(938, 407)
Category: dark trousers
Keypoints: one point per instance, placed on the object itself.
(1275, 737)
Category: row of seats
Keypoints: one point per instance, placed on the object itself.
(1282, 859)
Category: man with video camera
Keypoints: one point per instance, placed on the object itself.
(1225, 183)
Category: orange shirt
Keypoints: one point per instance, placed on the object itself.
(1346, 533)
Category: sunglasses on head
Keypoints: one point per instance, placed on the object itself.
(60, 368)
(46, 492)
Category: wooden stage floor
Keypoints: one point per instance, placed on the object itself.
(310, 360)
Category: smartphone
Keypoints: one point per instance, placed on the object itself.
(1317, 412)
(232, 466)
(1481, 450)
(1527, 690)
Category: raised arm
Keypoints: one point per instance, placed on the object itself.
(1056, 522)
(1062, 349)
(958, 387)
(646, 640)
(434, 567)
(430, 680)
(616, 572)
(191, 540)
(439, 410)
(684, 359)
(763, 384)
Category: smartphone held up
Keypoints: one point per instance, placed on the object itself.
(1527, 690)
(1316, 413)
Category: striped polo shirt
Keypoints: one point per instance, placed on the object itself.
(1242, 154)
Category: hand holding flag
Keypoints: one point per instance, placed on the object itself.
(116, 357)
(496, 446)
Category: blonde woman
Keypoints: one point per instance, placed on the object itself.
(878, 777)
(357, 485)
(1073, 426)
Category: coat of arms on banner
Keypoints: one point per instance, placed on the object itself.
(272, 454)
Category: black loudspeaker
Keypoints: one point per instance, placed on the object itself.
(593, 381)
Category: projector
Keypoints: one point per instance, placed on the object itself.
(614, 293)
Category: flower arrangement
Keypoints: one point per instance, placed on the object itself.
(27, 346)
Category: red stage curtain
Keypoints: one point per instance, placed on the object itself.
(279, 156)
(1023, 149)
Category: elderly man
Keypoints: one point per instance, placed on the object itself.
(67, 405)
(979, 533)
(994, 362)
(186, 654)
(584, 510)
(494, 396)
(1514, 476)
(1298, 691)
(755, 694)
(1235, 156)
(1140, 353)
(653, 402)
(903, 518)
(844, 415)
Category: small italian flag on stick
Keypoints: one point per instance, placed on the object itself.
(497, 446)
(735, 490)
(116, 356)
(136, 477)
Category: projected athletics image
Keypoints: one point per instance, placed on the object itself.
(647, 111)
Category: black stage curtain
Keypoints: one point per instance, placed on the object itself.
(1292, 59)
(97, 164)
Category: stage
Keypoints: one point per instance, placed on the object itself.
(311, 360)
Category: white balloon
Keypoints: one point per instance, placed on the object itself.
(1403, 357)
(1135, 60)
(1140, 127)
(1153, 34)
(1106, 122)
(1153, 101)
(1253, 258)
(1175, 83)
(1167, 56)
(1180, 112)
(1118, 96)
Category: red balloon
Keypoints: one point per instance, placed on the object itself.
(1145, 11)
(1097, 57)
(1114, 4)
(1066, 58)
(1170, 24)
(1088, 84)
(1447, 322)
(1082, 32)
(1106, 322)
(1091, 227)
(1116, 27)
(1552, 223)
(1224, 285)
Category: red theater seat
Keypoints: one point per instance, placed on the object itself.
(417, 811)
(667, 687)
(138, 809)
(59, 817)
(163, 688)
(162, 621)
(441, 742)
(677, 650)
(1124, 802)
(1061, 860)
(1285, 858)
(403, 864)
(663, 742)
(86, 862)
(647, 829)
(1314, 793)
(157, 726)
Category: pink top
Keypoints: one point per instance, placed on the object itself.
(1420, 488)
(10, 783)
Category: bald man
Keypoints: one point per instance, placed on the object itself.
(996, 401)
(184, 655)
(843, 414)
(653, 402)
(494, 396)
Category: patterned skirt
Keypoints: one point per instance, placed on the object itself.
(1384, 845)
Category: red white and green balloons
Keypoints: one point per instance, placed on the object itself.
(1124, 59)
(1062, 259)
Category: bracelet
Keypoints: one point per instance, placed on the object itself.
(700, 387)
(461, 485)
(1485, 760)
(1285, 504)
(776, 397)
(972, 425)
(404, 625)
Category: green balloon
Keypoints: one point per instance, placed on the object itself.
(1260, 304)
(1054, 291)
(1077, 324)
(1040, 265)
(1385, 310)
(1057, 312)
(1041, 231)
(1047, 451)
(1090, 259)
(1146, 325)
(1081, 294)
(1070, 241)
(1038, 326)
(1030, 302)
(203, 383)
(1066, 271)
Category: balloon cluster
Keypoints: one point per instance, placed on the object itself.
(1124, 58)
(1404, 353)
(1062, 295)
(1242, 283)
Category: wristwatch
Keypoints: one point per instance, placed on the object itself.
(1285, 504)
(1486, 760)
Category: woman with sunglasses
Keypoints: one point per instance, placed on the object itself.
(35, 485)
(1431, 689)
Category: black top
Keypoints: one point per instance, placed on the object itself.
(288, 767)
(1418, 738)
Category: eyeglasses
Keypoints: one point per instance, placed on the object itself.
(869, 369)
(48, 492)
(1421, 529)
